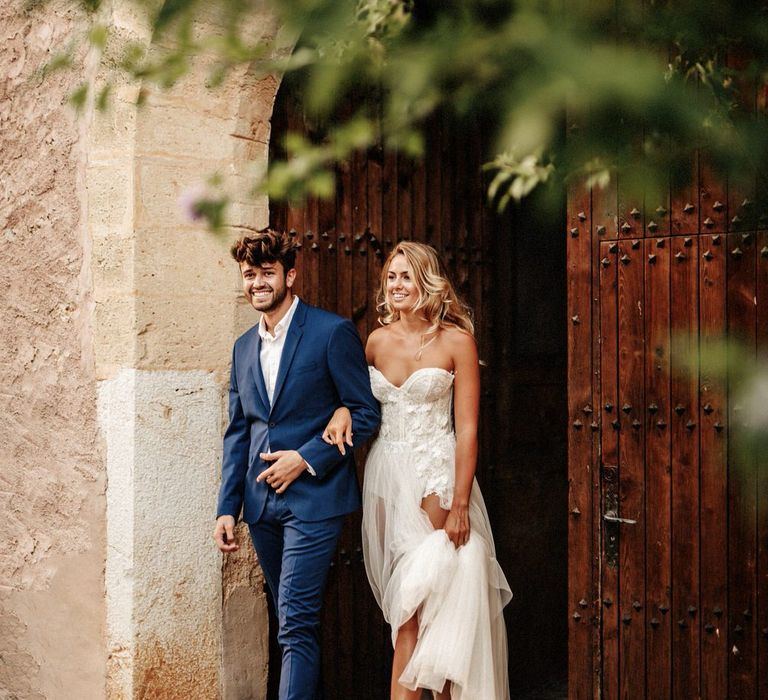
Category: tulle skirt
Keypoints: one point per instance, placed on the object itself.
(457, 594)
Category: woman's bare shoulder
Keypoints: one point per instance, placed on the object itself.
(458, 339)
(375, 338)
(377, 335)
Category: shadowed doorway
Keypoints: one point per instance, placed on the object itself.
(512, 271)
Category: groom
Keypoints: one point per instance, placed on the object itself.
(289, 373)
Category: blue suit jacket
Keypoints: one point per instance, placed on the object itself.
(322, 367)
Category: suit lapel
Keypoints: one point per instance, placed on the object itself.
(257, 374)
(292, 338)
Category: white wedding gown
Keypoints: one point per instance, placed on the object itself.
(458, 594)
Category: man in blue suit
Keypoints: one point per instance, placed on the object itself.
(289, 374)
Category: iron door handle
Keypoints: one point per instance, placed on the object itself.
(611, 517)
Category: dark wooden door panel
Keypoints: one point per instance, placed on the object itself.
(631, 491)
(684, 433)
(658, 489)
(584, 415)
(742, 506)
(609, 468)
(713, 465)
(683, 506)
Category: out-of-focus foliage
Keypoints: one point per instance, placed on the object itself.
(745, 372)
(568, 91)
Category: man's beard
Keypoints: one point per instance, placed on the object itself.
(277, 299)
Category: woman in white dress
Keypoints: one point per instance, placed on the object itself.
(427, 543)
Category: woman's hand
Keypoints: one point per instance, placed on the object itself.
(339, 429)
(457, 525)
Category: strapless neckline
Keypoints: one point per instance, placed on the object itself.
(410, 376)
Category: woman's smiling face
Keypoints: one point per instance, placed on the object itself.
(402, 292)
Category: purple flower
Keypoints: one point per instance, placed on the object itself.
(192, 202)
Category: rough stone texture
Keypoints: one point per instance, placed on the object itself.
(163, 575)
(245, 622)
(52, 539)
(168, 306)
(105, 290)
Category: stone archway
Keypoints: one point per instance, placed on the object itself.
(166, 311)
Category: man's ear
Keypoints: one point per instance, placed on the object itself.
(290, 277)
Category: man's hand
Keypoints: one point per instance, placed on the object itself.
(288, 466)
(224, 534)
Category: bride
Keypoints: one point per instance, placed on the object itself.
(428, 547)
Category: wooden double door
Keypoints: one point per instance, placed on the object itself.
(668, 574)
(630, 524)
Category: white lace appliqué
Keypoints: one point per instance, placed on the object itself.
(416, 418)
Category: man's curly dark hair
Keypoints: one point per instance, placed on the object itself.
(267, 246)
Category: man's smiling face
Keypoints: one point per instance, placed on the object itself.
(266, 286)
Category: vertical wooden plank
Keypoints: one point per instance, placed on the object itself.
(684, 210)
(630, 212)
(604, 424)
(478, 262)
(294, 221)
(605, 204)
(714, 473)
(344, 647)
(762, 475)
(658, 487)
(326, 228)
(684, 429)
(631, 470)
(741, 479)
(376, 226)
(434, 185)
(403, 182)
(360, 596)
(460, 201)
(278, 211)
(448, 157)
(418, 200)
(379, 645)
(612, 424)
(359, 195)
(713, 199)
(319, 273)
(657, 214)
(344, 226)
(389, 204)
(584, 419)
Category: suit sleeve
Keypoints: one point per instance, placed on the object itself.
(235, 458)
(349, 372)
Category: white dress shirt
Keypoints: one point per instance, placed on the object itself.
(272, 347)
(272, 351)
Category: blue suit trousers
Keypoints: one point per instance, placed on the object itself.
(295, 556)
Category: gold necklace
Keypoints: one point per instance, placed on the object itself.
(424, 345)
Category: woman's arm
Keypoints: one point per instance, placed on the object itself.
(339, 428)
(466, 406)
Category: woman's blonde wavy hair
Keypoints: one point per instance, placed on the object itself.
(437, 301)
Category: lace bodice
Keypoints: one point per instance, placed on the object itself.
(416, 418)
(418, 410)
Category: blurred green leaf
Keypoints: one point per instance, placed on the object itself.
(79, 97)
(647, 82)
(102, 99)
(98, 36)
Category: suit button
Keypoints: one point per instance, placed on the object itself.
(272, 424)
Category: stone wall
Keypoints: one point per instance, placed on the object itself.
(118, 324)
(52, 533)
